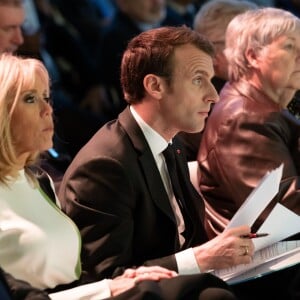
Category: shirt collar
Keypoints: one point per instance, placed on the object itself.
(155, 141)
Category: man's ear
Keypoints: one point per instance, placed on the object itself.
(153, 85)
(252, 57)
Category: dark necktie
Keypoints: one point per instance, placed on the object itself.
(169, 154)
(172, 165)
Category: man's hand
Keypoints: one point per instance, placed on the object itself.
(131, 276)
(226, 250)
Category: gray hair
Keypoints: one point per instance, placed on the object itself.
(254, 29)
(214, 16)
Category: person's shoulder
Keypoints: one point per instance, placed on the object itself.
(110, 142)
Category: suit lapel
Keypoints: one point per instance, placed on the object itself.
(155, 185)
(147, 162)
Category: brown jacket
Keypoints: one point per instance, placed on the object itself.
(246, 135)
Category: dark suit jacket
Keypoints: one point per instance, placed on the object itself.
(114, 193)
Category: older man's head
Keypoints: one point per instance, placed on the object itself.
(12, 15)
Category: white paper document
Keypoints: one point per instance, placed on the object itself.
(258, 200)
(261, 257)
(271, 253)
(287, 260)
(280, 224)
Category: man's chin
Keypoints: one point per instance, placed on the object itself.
(196, 130)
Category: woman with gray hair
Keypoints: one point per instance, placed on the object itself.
(249, 131)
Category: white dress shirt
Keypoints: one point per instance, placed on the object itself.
(186, 261)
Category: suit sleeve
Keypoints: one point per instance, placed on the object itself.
(102, 205)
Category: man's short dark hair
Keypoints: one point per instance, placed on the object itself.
(151, 52)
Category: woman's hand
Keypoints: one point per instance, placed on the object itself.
(226, 250)
(131, 276)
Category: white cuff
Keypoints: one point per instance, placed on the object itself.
(186, 262)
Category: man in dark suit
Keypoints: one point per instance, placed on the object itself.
(118, 188)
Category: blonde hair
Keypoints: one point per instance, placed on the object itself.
(17, 74)
(254, 29)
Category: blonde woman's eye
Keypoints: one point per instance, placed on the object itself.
(48, 100)
(30, 99)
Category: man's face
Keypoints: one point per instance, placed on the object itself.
(188, 100)
(11, 19)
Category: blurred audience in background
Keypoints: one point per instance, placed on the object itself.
(82, 55)
(290, 5)
(12, 16)
(65, 51)
(182, 11)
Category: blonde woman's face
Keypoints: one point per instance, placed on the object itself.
(31, 123)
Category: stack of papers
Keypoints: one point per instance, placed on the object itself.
(271, 253)
(272, 258)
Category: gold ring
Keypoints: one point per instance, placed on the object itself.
(246, 250)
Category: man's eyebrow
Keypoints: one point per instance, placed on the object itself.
(202, 72)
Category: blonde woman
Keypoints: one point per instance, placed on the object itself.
(38, 243)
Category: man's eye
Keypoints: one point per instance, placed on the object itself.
(197, 80)
(290, 46)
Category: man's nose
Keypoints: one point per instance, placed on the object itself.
(18, 38)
